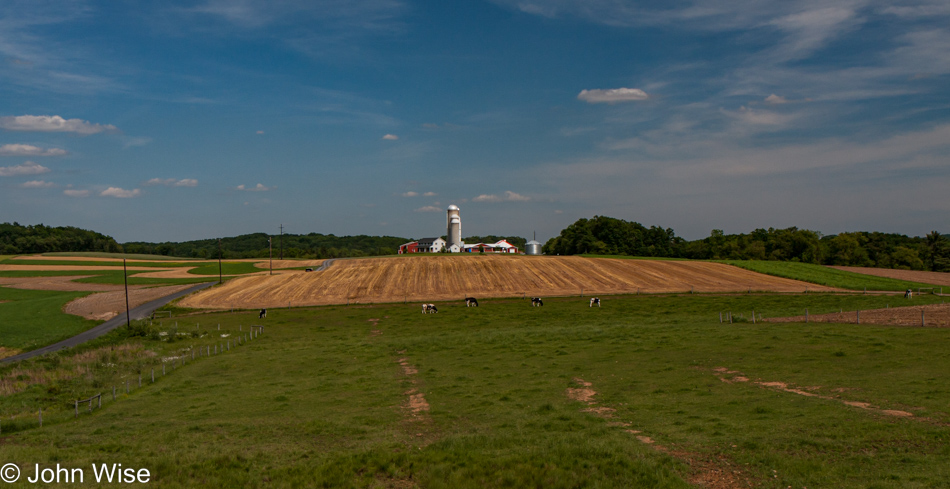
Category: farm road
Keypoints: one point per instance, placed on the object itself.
(136, 313)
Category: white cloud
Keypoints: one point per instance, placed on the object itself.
(429, 208)
(429, 194)
(758, 117)
(29, 150)
(257, 188)
(28, 168)
(775, 99)
(37, 184)
(508, 197)
(612, 96)
(52, 123)
(120, 193)
(410, 194)
(390, 137)
(260, 132)
(171, 182)
(76, 193)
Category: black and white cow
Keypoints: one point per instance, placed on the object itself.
(263, 314)
(536, 301)
(594, 300)
(429, 309)
(471, 302)
(909, 294)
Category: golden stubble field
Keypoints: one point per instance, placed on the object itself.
(453, 277)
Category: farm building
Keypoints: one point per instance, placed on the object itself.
(502, 246)
(424, 245)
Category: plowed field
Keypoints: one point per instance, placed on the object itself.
(441, 277)
(936, 278)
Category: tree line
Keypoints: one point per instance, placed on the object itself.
(313, 245)
(18, 239)
(609, 236)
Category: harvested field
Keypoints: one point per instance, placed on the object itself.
(107, 305)
(287, 263)
(936, 278)
(437, 278)
(64, 283)
(64, 268)
(934, 315)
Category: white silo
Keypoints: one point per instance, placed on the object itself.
(454, 229)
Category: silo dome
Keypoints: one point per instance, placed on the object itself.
(453, 207)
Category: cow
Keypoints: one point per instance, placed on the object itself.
(536, 301)
(471, 302)
(594, 300)
(263, 314)
(909, 294)
(429, 309)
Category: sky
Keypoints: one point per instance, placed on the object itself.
(180, 120)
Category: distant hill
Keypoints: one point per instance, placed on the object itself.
(17, 239)
(313, 245)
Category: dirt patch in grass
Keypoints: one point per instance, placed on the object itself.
(934, 315)
(8, 352)
(106, 305)
(936, 278)
(734, 376)
(704, 470)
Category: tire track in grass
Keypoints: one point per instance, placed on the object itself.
(705, 471)
(416, 405)
(734, 376)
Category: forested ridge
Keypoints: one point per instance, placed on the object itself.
(609, 236)
(16, 239)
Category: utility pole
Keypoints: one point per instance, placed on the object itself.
(125, 275)
(219, 261)
(281, 241)
(270, 248)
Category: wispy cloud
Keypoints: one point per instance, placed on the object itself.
(410, 194)
(429, 194)
(257, 188)
(27, 168)
(508, 196)
(612, 96)
(429, 208)
(120, 193)
(37, 184)
(53, 123)
(390, 137)
(171, 182)
(75, 193)
(29, 150)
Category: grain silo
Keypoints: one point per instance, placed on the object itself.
(532, 247)
(454, 230)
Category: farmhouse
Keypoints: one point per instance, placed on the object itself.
(502, 246)
(424, 245)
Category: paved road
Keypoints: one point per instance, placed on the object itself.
(137, 313)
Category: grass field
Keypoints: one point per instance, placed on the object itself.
(822, 275)
(33, 318)
(129, 256)
(323, 399)
(104, 277)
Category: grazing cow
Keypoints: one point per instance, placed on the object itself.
(536, 301)
(594, 300)
(429, 309)
(263, 314)
(471, 302)
(909, 294)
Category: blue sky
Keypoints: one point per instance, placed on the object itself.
(186, 120)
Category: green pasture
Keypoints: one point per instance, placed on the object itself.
(227, 268)
(130, 256)
(822, 275)
(30, 319)
(319, 400)
(114, 277)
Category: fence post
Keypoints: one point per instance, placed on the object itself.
(730, 317)
(163, 369)
(100, 400)
(720, 317)
(753, 316)
(922, 318)
(140, 380)
(77, 408)
(153, 375)
(41, 417)
(126, 386)
(859, 316)
(113, 393)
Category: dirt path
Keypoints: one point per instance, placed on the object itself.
(734, 376)
(439, 277)
(934, 316)
(106, 305)
(936, 278)
(714, 473)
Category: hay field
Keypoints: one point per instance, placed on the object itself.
(107, 305)
(448, 277)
